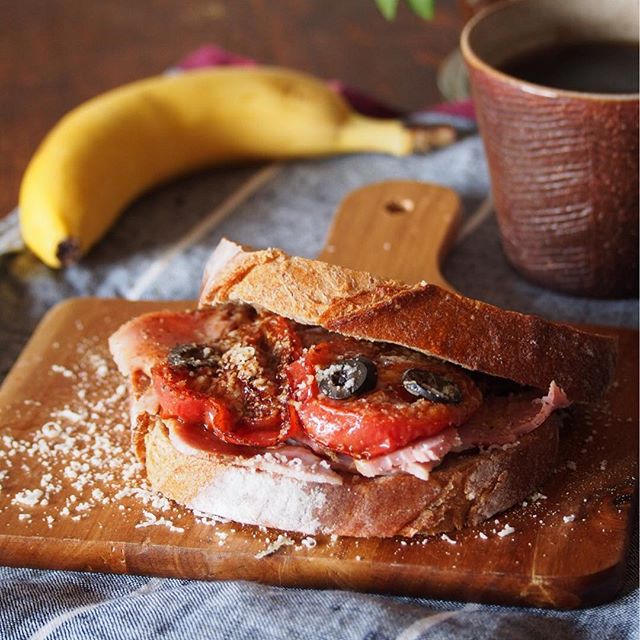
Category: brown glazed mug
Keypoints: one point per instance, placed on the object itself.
(563, 164)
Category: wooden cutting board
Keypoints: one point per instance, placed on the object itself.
(73, 498)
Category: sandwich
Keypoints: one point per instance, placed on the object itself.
(312, 398)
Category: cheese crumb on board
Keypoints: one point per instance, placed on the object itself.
(58, 368)
(272, 547)
(507, 530)
(28, 497)
(309, 542)
(208, 519)
(151, 520)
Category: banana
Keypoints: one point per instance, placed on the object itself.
(109, 150)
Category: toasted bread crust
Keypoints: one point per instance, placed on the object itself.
(465, 490)
(476, 335)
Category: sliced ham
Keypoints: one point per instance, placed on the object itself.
(417, 459)
(499, 421)
(143, 341)
(502, 419)
(295, 461)
(219, 260)
(143, 402)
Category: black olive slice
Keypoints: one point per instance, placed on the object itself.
(432, 386)
(347, 378)
(192, 356)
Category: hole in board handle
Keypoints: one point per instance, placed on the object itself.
(400, 205)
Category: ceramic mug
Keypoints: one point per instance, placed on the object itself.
(563, 164)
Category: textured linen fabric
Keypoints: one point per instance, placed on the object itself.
(291, 208)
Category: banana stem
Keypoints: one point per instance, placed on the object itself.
(68, 252)
(428, 137)
(392, 136)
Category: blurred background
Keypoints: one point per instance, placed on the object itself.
(54, 54)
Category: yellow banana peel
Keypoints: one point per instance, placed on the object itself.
(109, 150)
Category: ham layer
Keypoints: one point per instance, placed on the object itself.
(499, 420)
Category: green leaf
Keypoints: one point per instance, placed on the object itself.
(422, 8)
(388, 8)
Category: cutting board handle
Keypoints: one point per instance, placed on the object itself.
(398, 229)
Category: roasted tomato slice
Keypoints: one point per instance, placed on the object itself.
(237, 387)
(384, 417)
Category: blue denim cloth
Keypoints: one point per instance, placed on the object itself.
(292, 210)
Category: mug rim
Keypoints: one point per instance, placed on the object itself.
(531, 87)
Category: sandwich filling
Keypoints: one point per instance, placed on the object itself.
(264, 388)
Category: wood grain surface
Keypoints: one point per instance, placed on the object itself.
(55, 54)
(376, 227)
(73, 497)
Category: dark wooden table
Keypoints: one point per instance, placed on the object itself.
(55, 54)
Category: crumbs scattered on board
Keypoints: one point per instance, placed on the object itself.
(79, 459)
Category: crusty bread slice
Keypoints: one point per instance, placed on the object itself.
(424, 317)
(466, 489)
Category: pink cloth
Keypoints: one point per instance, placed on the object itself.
(210, 55)
(460, 109)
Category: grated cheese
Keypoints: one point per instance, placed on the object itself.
(82, 451)
(151, 520)
(272, 547)
(507, 530)
(28, 497)
(309, 542)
